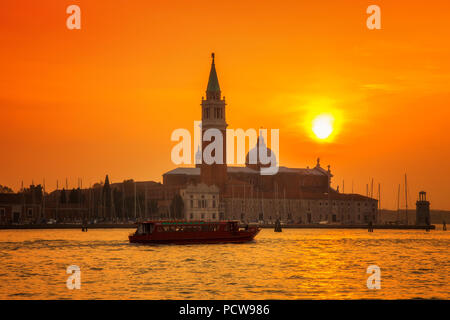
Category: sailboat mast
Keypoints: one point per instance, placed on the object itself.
(398, 202)
(145, 199)
(123, 202)
(232, 202)
(371, 189)
(406, 199)
(262, 204)
(245, 203)
(43, 201)
(135, 205)
(379, 196)
(57, 199)
(276, 200)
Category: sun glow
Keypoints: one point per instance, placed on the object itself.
(322, 126)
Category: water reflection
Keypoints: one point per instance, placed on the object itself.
(294, 264)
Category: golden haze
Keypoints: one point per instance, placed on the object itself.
(105, 99)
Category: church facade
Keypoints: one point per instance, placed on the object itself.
(294, 195)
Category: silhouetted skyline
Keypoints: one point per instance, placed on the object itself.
(105, 99)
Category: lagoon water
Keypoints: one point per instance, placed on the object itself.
(294, 264)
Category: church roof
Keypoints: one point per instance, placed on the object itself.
(303, 171)
(213, 82)
(241, 170)
(230, 169)
(188, 171)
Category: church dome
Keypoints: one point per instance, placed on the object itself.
(253, 159)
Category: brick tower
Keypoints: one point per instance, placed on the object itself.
(213, 116)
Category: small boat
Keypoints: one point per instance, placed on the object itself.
(186, 232)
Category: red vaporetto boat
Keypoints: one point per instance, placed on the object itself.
(185, 232)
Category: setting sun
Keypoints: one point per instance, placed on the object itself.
(322, 126)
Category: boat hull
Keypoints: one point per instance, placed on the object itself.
(236, 237)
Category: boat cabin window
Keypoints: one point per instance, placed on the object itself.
(232, 226)
(145, 228)
(210, 227)
(207, 227)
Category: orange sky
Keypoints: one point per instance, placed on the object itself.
(105, 99)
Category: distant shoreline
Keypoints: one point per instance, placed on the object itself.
(265, 226)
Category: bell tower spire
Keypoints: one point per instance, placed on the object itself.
(213, 117)
(213, 88)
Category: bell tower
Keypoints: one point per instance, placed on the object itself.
(213, 116)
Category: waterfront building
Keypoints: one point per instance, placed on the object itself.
(201, 202)
(18, 208)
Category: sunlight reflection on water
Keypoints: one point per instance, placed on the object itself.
(294, 264)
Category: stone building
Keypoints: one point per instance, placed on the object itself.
(313, 208)
(20, 208)
(201, 202)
